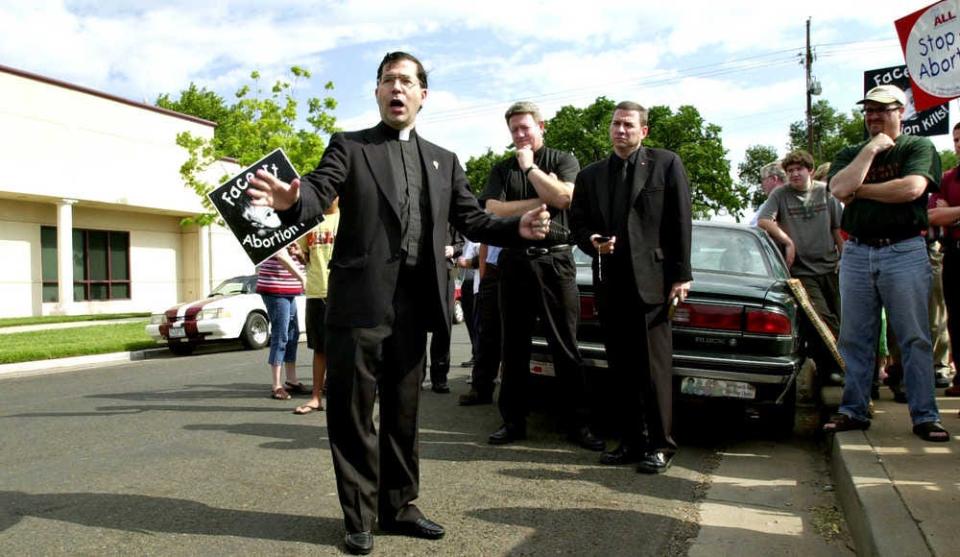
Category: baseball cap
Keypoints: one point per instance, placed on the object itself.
(885, 94)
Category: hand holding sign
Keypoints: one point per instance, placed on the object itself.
(247, 203)
(268, 190)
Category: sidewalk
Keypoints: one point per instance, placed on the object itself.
(900, 495)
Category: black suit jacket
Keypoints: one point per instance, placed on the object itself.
(366, 256)
(658, 220)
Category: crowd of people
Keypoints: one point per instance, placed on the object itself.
(853, 239)
(867, 243)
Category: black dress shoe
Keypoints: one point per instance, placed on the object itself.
(473, 398)
(421, 527)
(585, 438)
(624, 454)
(507, 434)
(468, 363)
(440, 388)
(359, 543)
(655, 462)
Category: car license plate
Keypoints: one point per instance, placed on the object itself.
(177, 332)
(542, 368)
(717, 388)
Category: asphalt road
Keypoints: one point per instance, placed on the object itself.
(189, 456)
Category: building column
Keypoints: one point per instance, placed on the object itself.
(204, 250)
(65, 255)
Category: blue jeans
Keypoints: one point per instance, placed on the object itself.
(284, 328)
(898, 277)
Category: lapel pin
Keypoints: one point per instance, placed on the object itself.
(436, 165)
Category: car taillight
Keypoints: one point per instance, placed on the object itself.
(767, 322)
(588, 309)
(707, 316)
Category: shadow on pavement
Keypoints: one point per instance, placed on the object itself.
(140, 513)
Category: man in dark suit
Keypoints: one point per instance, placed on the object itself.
(631, 212)
(388, 287)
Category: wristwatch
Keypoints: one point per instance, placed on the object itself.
(531, 167)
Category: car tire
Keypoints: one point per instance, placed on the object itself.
(256, 331)
(181, 348)
(457, 313)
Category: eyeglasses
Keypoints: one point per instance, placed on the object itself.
(878, 110)
(406, 82)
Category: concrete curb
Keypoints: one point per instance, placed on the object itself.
(38, 367)
(876, 514)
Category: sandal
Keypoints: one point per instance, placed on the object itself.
(306, 409)
(280, 394)
(931, 431)
(843, 422)
(296, 388)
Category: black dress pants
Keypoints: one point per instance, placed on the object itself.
(486, 362)
(378, 475)
(639, 345)
(544, 286)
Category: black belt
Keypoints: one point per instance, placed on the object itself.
(537, 251)
(883, 242)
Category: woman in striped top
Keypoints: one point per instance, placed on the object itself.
(280, 280)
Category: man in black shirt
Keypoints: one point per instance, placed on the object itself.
(537, 281)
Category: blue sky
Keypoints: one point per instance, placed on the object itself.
(736, 61)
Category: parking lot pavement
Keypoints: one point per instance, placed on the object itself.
(190, 456)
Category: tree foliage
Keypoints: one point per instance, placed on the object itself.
(700, 147)
(748, 171)
(478, 168)
(832, 131)
(948, 159)
(257, 122)
(585, 132)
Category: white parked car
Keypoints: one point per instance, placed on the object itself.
(232, 311)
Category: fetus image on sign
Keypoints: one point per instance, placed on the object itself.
(262, 218)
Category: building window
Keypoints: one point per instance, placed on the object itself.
(101, 264)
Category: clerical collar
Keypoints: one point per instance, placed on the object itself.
(392, 133)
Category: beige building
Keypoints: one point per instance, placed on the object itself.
(91, 201)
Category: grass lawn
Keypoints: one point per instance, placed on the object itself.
(75, 341)
(14, 321)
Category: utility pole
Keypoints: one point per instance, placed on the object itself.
(808, 65)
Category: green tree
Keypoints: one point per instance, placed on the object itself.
(948, 159)
(256, 123)
(700, 147)
(585, 132)
(748, 171)
(832, 131)
(478, 168)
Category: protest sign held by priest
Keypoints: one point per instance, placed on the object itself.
(258, 229)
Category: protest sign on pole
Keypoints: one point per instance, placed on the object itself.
(258, 229)
(930, 38)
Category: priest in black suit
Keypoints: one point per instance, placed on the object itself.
(631, 212)
(388, 287)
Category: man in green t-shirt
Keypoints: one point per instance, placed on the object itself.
(884, 183)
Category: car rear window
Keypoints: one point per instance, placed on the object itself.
(732, 251)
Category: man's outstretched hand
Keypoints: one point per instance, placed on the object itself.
(268, 190)
(535, 223)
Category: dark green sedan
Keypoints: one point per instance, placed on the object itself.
(735, 338)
